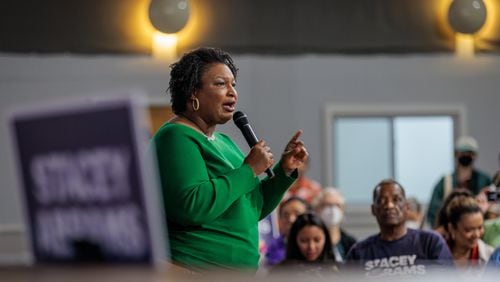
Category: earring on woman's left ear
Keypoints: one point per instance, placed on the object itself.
(196, 104)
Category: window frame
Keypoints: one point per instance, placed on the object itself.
(333, 111)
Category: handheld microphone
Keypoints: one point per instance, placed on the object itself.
(241, 121)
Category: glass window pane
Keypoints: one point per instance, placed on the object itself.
(423, 152)
(362, 156)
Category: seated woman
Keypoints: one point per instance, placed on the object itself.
(288, 211)
(308, 249)
(465, 228)
(440, 226)
(330, 205)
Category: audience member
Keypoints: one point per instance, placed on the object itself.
(397, 250)
(493, 212)
(464, 176)
(465, 227)
(415, 214)
(442, 219)
(492, 232)
(308, 249)
(288, 211)
(330, 205)
(492, 226)
(492, 269)
(495, 258)
(304, 187)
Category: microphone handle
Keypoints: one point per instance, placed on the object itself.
(270, 172)
(252, 139)
(249, 135)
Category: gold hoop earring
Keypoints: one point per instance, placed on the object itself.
(195, 104)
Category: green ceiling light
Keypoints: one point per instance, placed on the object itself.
(467, 16)
(169, 16)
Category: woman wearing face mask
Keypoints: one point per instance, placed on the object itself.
(330, 206)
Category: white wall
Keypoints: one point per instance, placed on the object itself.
(279, 94)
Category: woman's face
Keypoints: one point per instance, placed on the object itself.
(288, 214)
(311, 241)
(469, 230)
(217, 94)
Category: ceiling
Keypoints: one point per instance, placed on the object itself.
(245, 26)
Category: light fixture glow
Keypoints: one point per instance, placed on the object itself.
(165, 46)
(464, 46)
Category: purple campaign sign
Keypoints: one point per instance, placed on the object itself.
(86, 192)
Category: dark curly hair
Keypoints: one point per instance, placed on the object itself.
(293, 252)
(185, 75)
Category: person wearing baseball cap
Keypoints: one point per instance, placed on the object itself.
(465, 176)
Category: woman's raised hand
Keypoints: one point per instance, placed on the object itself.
(295, 154)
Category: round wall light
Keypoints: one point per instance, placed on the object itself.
(467, 16)
(169, 16)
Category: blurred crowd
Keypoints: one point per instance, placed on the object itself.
(458, 230)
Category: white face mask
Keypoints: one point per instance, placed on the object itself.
(332, 215)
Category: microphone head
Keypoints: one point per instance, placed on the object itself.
(240, 119)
